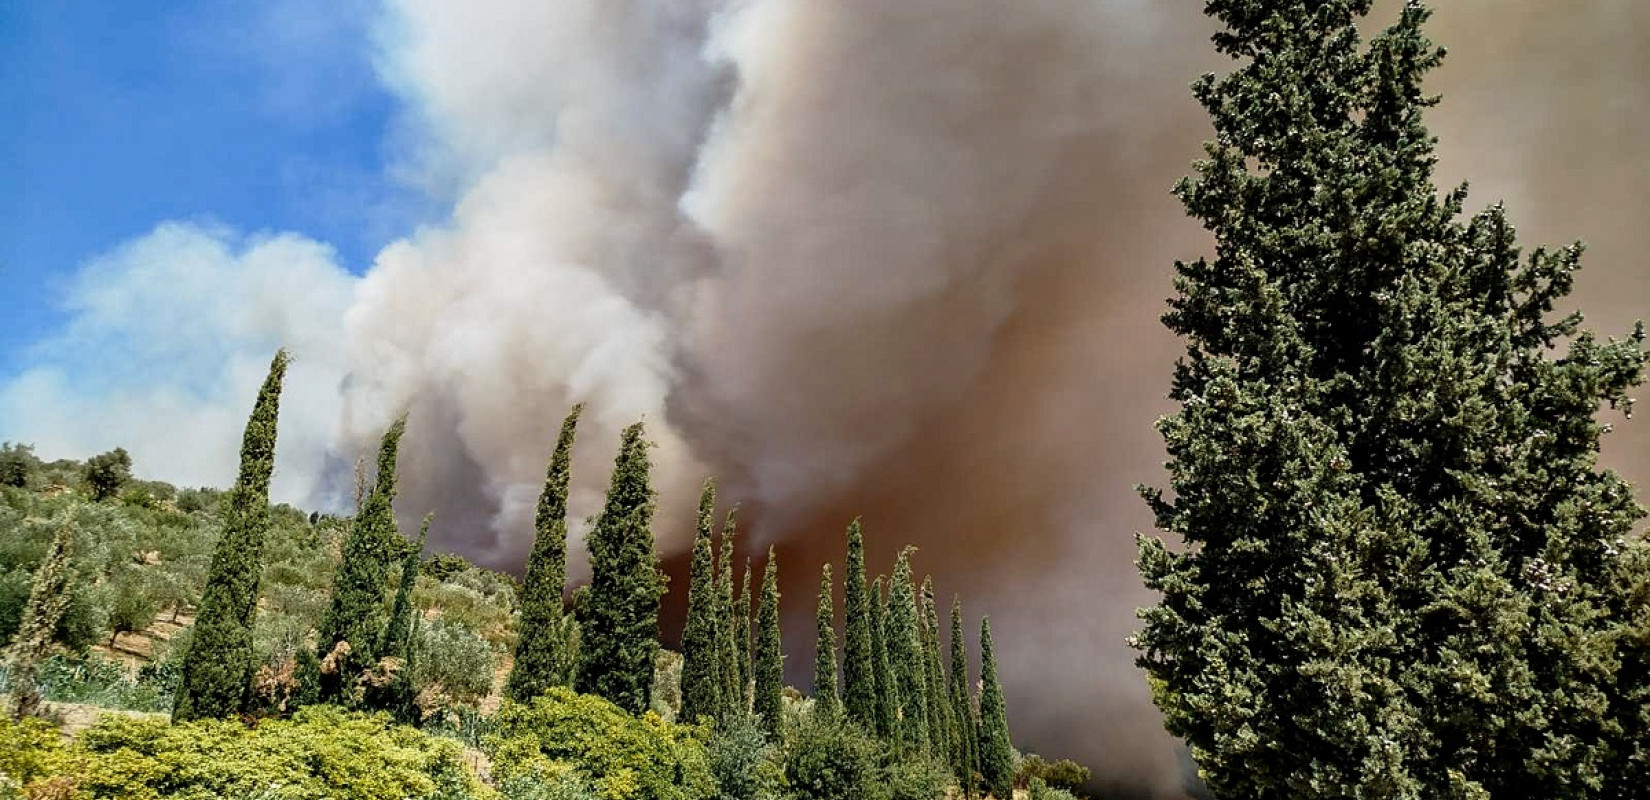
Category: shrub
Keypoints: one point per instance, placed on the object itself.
(745, 765)
(828, 757)
(322, 752)
(563, 784)
(1039, 790)
(917, 778)
(619, 756)
(1062, 774)
(108, 472)
(453, 660)
(30, 749)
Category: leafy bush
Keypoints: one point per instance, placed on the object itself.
(30, 749)
(563, 784)
(322, 752)
(745, 765)
(620, 757)
(95, 681)
(1062, 774)
(916, 778)
(828, 757)
(1039, 790)
(452, 660)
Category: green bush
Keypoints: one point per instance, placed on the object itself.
(452, 659)
(619, 756)
(1062, 774)
(563, 784)
(322, 752)
(828, 758)
(96, 681)
(746, 766)
(1039, 790)
(30, 749)
(916, 778)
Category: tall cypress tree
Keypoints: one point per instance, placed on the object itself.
(859, 691)
(887, 716)
(965, 759)
(217, 669)
(940, 732)
(619, 618)
(704, 668)
(1404, 574)
(905, 662)
(996, 751)
(770, 657)
(48, 599)
(741, 628)
(353, 622)
(541, 657)
(729, 622)
(397, 697)
(825, 696)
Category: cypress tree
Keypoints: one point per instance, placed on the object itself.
(940, 733)
(353, 622)
(996, 751)
(398, 633)
(742, 637)
(887, 717)
(859, 691)
(729, 620)
(825, 696)
(619, 617)
(905, 662)
(1403, 573)
(217, 669)
(704, 669)
(965, 759)
(770, 658)
(48, 598)
(541, 656)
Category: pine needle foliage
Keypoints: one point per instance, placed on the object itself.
(619, 615)
(769, 705)
(996, 751)
(704, 670)
(965, 759)
(941, 735)
(905, 660)
(741, 629)
(217, 670)
(733, 624)
(540, 658)
(887, 696)
(1405, 575)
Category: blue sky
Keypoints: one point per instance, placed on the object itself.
(117, 117)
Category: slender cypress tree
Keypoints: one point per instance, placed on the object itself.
(741, 628)
(704, 668)
(825, 696)
(887, 717)
(48, 598)
(905, 660)
(217, 669)
(619, 618)
(940, 732)
(729, 620)
(541, 656)
(859, 691)
(965, 760)
(770, 657)
(398, 633)
(1403, 572)
(353, 622)
(996, 751)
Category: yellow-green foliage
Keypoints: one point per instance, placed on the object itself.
(621, 757)
(322, 752)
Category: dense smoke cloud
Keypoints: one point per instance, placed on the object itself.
(901, 260)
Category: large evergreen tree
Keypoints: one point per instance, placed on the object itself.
(541, 648)
(859, 691)
(887, 690)
(825, 692)
(940, 730)
(732, 624)
(965, 759)
(996, 751)
(905, 662)
(704, 669)
(619, 616)
(217, 669)
(770, 654)
(354, 620)
(48, 599)
(741, 628)
(1406, 576)
(398, 695)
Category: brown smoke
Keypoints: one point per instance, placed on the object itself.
(899, 260)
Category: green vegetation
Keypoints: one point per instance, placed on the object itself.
(825, 692)
(543, 658)
(1404, 574)
(965, 759)
(217, 669)
(887, 720)
(619, 616)
(48, 597)
(769, 659)
(905, 657)
(996, 749)
(859, 691)
(732, 625)
(704, 670)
